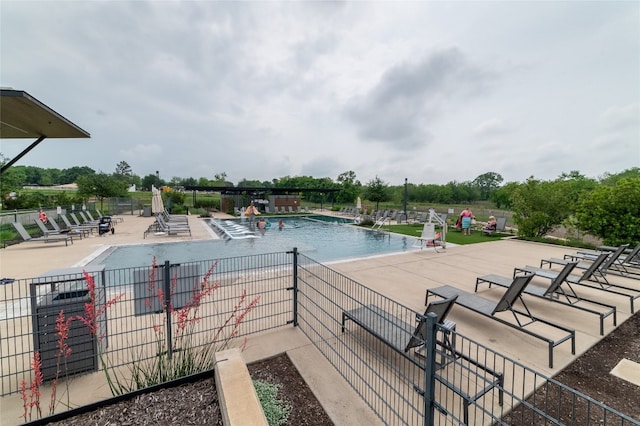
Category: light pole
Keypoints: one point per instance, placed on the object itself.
(406, 213)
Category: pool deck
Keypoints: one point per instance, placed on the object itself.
(403, 277)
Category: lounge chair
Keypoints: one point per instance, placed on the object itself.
(401, 337)
(600, 274)
(86, 220)
(627, 253)
(79, 232)
(84, 224)
(513, 293)
(172, 228)
(45, 231)
(48, 232)
(84, 229)
(626, 262)
(423, 217)
(173, 218)
(46, 239)
(500, 226)
(429, 237)
(584, 279)
(556, 293)
(113, 218)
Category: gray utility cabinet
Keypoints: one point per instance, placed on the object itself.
(66, 290)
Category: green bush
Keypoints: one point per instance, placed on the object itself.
(275, 410)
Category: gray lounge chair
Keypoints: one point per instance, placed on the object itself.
(584, 279)
(48, 232)
(46, 239)
(86, 220)
(71, 231)
(170, 218)
(511, 296)
(113, 218)
(85, 224)
(627, 262)
(600, 274)
(556, 293)
(501, 222)
(401, 337)
(172, 228)
(84, 229)
(45, 231)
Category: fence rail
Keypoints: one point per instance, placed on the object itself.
(451, 380)
(476, 385)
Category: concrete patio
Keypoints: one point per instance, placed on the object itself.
(403, 277)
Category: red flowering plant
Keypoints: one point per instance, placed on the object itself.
(30, 393)
(64, 351)
(93, 312)
(190, 349)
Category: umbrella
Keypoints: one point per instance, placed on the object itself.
(359, 203)
(157, 206)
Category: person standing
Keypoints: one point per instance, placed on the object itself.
(465, 220)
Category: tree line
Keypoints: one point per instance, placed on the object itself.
(607, 207)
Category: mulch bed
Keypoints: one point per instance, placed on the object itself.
(197, 403)
(590, 375)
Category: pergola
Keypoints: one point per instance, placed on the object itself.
(23, 116)
(257, 191)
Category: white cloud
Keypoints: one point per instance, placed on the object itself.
(431, 91)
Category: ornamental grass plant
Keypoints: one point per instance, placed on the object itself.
(189, 351)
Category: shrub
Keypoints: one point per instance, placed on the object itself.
(275, 410)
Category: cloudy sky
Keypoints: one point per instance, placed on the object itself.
(429, 91)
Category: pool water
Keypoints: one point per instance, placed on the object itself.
(321, 238)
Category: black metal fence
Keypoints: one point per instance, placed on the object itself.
(158, 308)
(451, 380)
(471, 384)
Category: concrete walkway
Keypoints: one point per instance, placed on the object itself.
(404, 278)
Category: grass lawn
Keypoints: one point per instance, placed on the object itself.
(453, 236)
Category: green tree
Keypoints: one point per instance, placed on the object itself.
(123, 169)
(376, 190)
(245, 183)
(539, 207)
(611, 179)
(71, 174)
(151, 180)
(101, 186)
(502, 196)
(10, 182)
(486, 183)
(612, 213)
(350, 187)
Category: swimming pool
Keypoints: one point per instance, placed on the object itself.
(321, 238)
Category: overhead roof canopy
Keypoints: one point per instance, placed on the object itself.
(23, 116)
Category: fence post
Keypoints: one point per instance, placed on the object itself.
(167, 305)
(295, 286)
(430, 369)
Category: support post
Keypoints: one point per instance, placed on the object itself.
(430, 370)
(167, 304)
(295, 286)
(406, 214)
